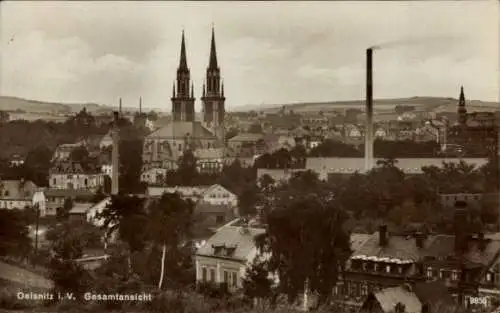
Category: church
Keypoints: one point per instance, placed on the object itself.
(163, 147)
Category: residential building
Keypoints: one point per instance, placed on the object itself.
(17, 194)
(73, 175)
(224, 258)
(408, 298)
(93, 211)
(106, 141)
(63, 151)
(56, 197)
(154, 176)
(247, 144)
(16, 160)
(210, 160)
(215, 194)
(79, 211)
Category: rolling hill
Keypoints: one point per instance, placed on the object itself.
(12, 104)
(428, 104)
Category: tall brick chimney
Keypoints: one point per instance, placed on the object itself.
(115, 155)
(461, 226)
(369, 111)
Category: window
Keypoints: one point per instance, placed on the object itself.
(180, 147)
(219, 219)
(204, 274)
(212, 275)
(53, 181)
(454, 275)
(226, 277)
(388, 268)
(364, 289)
(429, 272)
(235, 279)
(86, 181)
(489, 277)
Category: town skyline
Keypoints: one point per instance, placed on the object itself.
(134, 51)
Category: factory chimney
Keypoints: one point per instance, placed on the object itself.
(115, 155)
(369, 111)
(120, 106)
(140, 105)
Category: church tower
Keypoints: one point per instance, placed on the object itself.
(183, 96)
(213, 94)
(462, 111)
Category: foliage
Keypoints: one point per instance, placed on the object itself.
(257, 283)
(89, 235)
(332, 148)
(14, 234)
(169, 225)
(305, 237)
(255, 129)
(67, 274)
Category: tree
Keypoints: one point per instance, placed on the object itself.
(67, 274)
(62, 214)
(169, 224)
(332, 148)
(121, 216)
(14, 234)
(305, 238)
(257, 284)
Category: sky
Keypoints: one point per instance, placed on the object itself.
(269, 52)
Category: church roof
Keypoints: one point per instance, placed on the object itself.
(181, 129)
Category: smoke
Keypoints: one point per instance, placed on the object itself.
(414, 41)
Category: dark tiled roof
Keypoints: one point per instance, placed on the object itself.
(52, 192)
(181, 129)
(68, 167)
(398, 247)
(433, 292)
(206, 207)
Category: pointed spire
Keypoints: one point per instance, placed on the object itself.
(204, 89)
(462, 95)
(222, 89)
(183, 58)
(192, 90)
(213, 52)
(173, 90)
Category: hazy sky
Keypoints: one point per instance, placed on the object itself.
(269, 52)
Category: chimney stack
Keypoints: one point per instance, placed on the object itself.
(120, 106)
(420, 239)
(140, 105)
(115, 155)
(369, 111)
(461, 226)
(383, 235)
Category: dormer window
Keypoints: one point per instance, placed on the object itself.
(388, 268)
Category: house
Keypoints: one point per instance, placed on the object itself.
(107, 169)
(154, 176)
(79, 211)
(225, 256)
(408, 298)
(17, 194)
(211, 215)
(209, 160)
(16, 160)
(472, 199)
(57, 197)
(247, 141)
(64, 151)
(214, 195)
(74, 175)
(427, 132)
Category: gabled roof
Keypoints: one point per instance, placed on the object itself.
(241, 239)
(247, 137)
(389, 297)
(181, 129)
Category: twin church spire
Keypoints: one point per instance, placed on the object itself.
(213, 91)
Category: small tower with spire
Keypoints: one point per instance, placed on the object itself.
(462, 111)
(213, 100)
(182, 99)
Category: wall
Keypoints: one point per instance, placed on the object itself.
(76, 181)
(219, 266)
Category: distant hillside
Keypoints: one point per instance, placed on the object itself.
(421, 104)
(13, 103)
